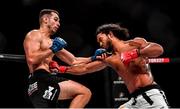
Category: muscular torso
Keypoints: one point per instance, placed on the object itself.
(136, 74)
(42, 43)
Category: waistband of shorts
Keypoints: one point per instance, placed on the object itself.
(142, 90)
(39, 72)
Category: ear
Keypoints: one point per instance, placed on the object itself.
(45, 19)
(110, 35)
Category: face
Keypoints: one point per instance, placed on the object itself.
(53, 22)
(103, 40)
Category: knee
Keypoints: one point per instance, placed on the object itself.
(87, 93)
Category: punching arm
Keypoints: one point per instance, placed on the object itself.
(79, 69)
(86, 68)
(70, 59)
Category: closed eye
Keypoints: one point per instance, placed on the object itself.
(56, 19)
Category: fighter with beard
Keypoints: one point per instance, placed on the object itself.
(129, 60)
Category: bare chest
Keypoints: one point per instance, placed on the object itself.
(137, 65)
(46, 44)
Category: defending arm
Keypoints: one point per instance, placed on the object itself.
(70, 59)
(58, 44)
(143, 48)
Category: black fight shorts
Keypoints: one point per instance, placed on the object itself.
(43, 89)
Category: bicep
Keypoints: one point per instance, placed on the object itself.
(141, 41)
(145, 43)
(31, 45)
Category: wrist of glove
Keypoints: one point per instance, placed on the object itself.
(128, 56)
(53, 66)
(98, 52)
(58, 44)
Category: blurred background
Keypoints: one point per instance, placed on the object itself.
(155, 20)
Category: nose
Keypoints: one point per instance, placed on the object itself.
(100, 44)
(58, 24)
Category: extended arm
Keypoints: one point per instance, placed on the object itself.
(70, 59)
(83, 68)
(86, 68)
(79, 69)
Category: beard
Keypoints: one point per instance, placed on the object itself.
(109, 47)
(51, 30)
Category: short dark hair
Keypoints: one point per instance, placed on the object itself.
(116, 29)
(48, 12)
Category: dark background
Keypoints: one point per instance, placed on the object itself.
(155, 20)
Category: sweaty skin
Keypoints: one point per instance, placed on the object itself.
(136, 74)
(41, 43)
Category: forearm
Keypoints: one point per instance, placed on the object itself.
(151, 50)
(70, 59)
(86, 68)
(82, 60)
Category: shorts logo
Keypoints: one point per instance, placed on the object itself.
(48, 93)
(32, 88)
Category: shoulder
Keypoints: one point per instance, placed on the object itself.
(33, 34)
(137, 41)
(140, 39)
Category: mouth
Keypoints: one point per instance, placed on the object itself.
(56, 28)
(100, 44)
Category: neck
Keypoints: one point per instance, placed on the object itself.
(45, 31)
(117, 44)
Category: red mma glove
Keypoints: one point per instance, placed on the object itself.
(127, 56)
(54, 65)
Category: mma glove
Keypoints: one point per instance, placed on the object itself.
(58, 44)
(98, 52)
(54, 65)
(127, 56)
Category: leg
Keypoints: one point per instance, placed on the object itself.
(127, 105)
(79, 94)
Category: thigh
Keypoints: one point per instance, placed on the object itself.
(127, 105)
(159, 100)
(69, 89)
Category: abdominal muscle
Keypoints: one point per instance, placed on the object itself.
(136, 75)
(43, 65)
(137, 81)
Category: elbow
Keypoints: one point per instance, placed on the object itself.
(31, 60)
(161, 50)
(153, 50)
(73, 62)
